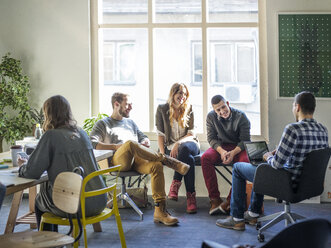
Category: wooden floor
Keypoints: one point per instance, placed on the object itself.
(190, 232)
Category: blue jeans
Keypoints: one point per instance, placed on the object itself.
(240, 173)
(186, 153)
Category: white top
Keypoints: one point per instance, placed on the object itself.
(177, 132)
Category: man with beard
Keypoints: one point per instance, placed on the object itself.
(298, 139)
(131, 146)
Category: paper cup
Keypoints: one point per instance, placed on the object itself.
(14, 150)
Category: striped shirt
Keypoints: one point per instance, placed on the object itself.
(297, 141)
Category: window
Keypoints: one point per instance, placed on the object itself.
(118, 63)
(196, 63)
(144, 46)
(231, 62)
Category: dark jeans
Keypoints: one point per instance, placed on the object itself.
(47, 226)
(240, 173)
(186, 153)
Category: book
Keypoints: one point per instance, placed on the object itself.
(3, 166)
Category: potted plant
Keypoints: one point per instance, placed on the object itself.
(37, 116)
(15, 120)
(89, 122)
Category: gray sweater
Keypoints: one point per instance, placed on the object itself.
(62, 150)
(111, 131)
(233, 130)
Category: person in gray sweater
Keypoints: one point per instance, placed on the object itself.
(61, 148)
(132, 151)
(227, 129)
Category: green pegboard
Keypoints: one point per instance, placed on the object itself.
(304, 54)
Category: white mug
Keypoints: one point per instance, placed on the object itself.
(14, 150)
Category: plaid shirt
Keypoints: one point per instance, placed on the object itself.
(297, 141)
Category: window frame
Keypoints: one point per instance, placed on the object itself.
(204, 25)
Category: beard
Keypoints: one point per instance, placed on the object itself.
(123, 113)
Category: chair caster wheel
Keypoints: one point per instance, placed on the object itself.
(260, 237)
(258, 225)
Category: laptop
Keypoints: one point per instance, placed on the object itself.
(255, 151)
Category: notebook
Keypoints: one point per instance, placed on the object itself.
(255, 151)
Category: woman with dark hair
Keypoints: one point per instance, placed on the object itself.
(175, 129)
(62, 147)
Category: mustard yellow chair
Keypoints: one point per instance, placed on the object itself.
(106, 213)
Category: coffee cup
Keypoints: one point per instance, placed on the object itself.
(14, 150)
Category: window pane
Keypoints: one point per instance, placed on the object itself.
(124, 11)
(222, 62)
(127, 61)
(172, 63)
(232, 11)
(233, 70)
(171, 11)
(119, 62)
(197, 62)
(246, 62)
(108, 61)
(130, 53)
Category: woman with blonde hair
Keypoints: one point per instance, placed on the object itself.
(62, 147)
(175, 129)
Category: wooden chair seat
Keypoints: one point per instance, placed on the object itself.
(35, 239)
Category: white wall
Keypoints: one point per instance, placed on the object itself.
(52, 40)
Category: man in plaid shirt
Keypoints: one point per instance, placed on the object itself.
(298, 139)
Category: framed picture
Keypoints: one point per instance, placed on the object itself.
(304, 54)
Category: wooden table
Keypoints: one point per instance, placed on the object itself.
(16, 185)
(102, 154)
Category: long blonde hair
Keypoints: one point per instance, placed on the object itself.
(184, 108)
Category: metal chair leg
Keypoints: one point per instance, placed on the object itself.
(127, 198)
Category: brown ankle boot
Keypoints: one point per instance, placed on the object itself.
(176, 165)
(225, 206)
(161, 215)
(215, 205)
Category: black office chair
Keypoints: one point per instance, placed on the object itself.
(277, 183)
(212, 244)
(304, 234)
